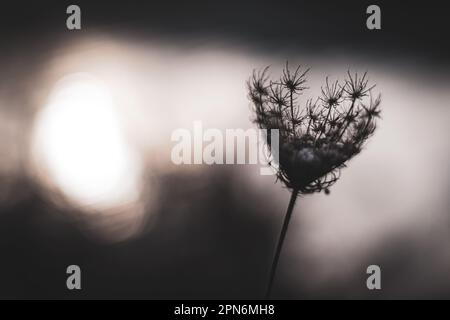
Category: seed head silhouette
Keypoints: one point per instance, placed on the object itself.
(317, 139)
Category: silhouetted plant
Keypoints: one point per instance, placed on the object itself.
(316, 140)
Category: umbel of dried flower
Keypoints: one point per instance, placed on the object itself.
(318, 137)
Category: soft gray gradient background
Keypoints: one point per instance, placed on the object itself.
(210, 231)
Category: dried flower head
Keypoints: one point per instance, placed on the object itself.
(316, 140)
(294, 81)
(331, 94)
(356, 88)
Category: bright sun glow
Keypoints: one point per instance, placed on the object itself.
(80, 144)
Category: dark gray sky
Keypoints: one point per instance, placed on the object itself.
(408, 30)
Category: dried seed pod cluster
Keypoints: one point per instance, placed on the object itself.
(318, 138)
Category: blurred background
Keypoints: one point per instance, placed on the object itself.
(86, 178)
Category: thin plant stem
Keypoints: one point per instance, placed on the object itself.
(326, 119)
(284, 229)
(348, 113)
(292, 111)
